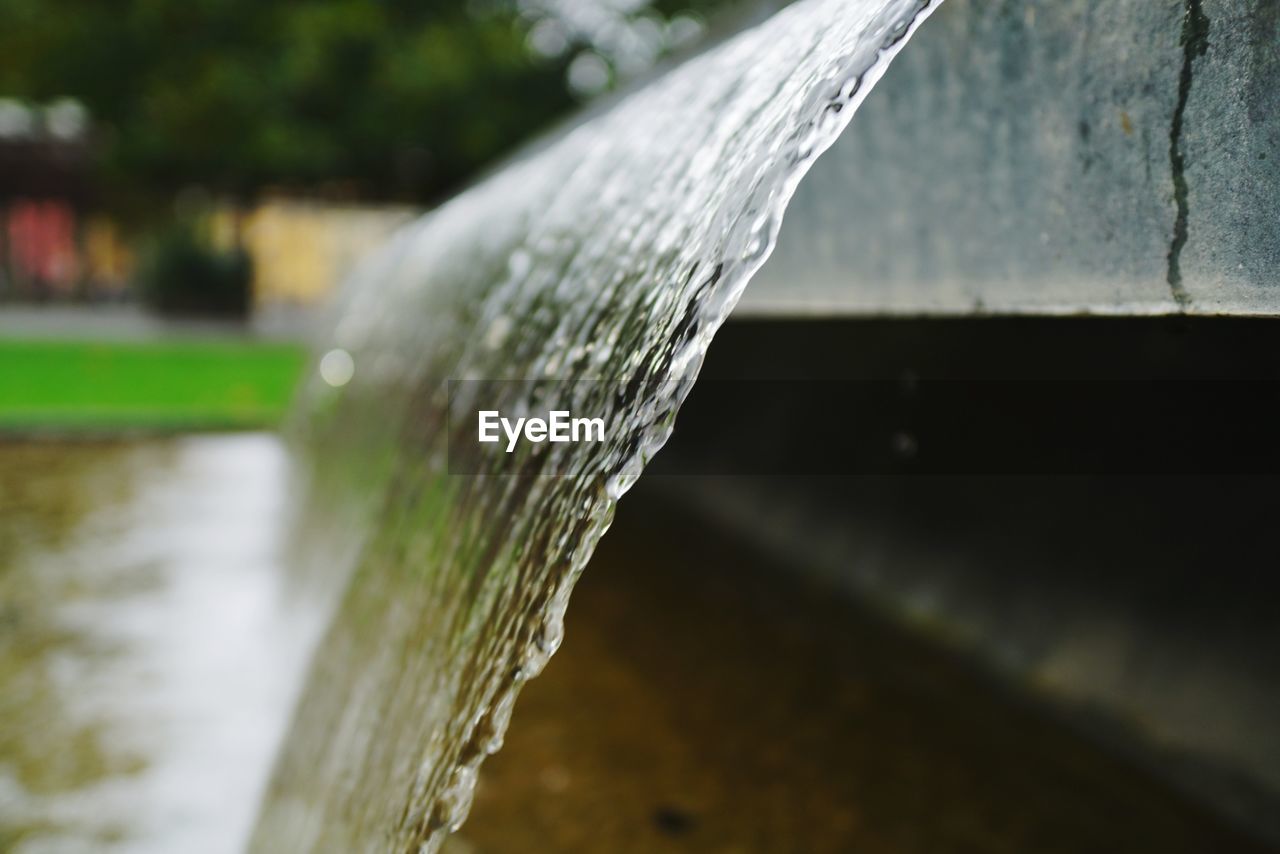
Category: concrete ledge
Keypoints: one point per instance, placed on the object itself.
(1051, 158)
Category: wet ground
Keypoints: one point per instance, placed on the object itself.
(704, 700)
(149, 651)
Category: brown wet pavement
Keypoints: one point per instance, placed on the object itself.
(706, 701)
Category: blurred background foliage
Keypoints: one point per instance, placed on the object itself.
(182, 275)
(385, 100)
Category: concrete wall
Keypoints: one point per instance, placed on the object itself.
(1051, 156)
(1137, 607)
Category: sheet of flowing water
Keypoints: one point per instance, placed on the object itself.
(612, 254)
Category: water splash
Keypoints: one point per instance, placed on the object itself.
(612, 255)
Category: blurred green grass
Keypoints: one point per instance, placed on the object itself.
(104, 386)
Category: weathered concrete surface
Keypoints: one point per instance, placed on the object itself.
(1232, 143)
(1029, 157)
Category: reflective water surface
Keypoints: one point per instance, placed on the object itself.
(150, 645)
(705, 700)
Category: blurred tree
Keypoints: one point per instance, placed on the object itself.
(382, 99)
(388, 98)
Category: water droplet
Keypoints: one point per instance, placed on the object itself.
(337, 367)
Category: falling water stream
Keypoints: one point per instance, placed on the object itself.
(613, 254)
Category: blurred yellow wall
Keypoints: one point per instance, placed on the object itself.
(301, 250)
(108, 257)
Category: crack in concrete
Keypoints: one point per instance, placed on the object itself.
(1194, 42)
